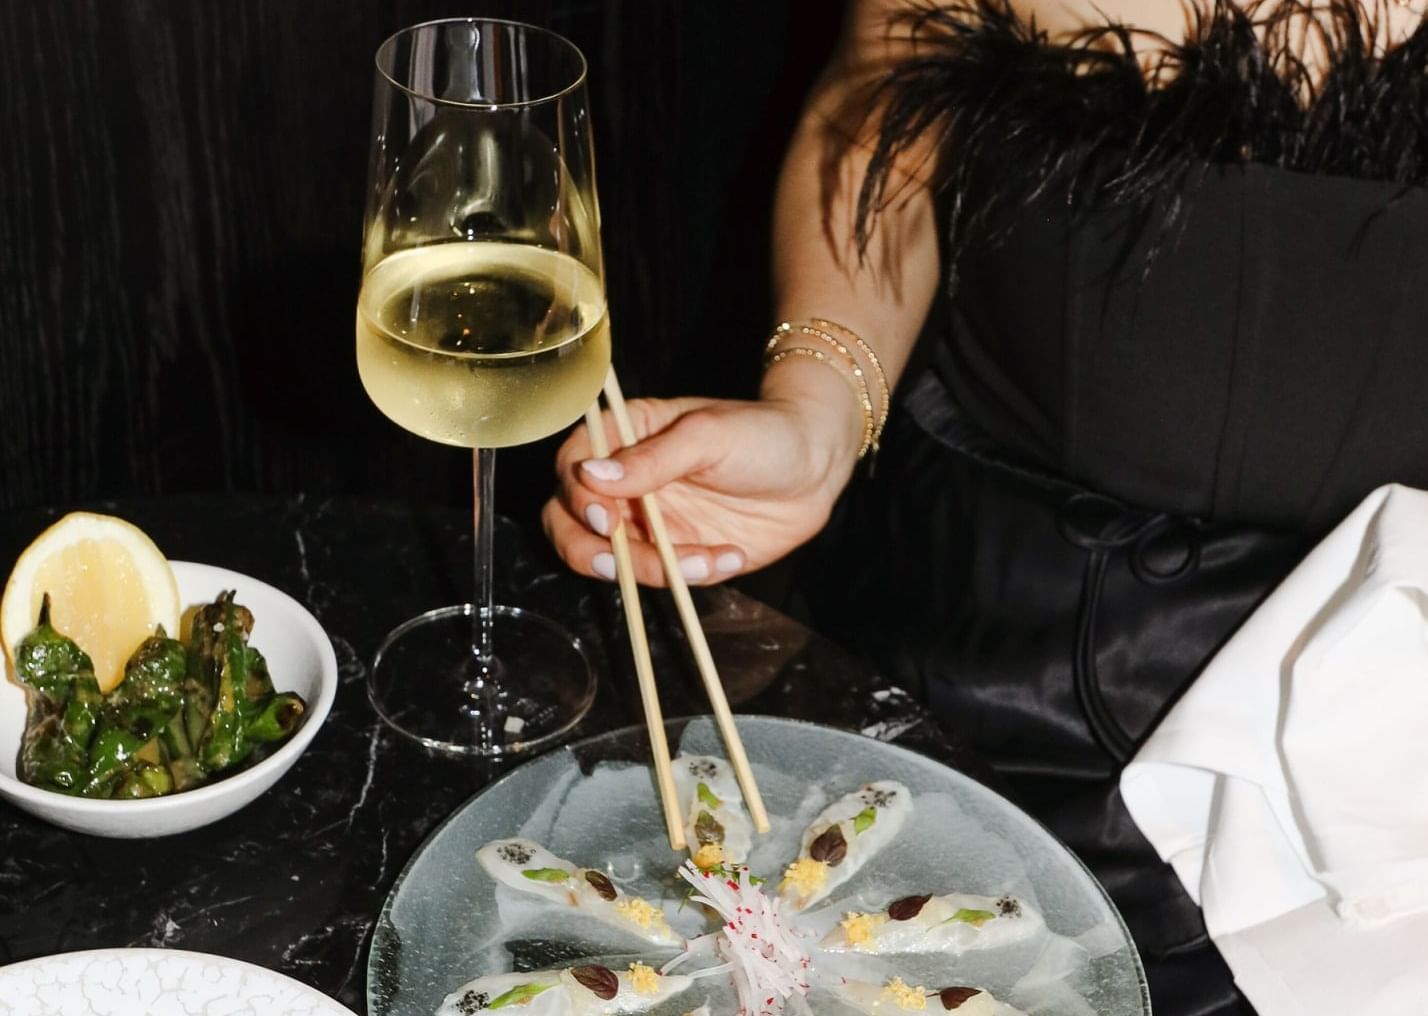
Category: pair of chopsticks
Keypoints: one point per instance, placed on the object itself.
(639, 640)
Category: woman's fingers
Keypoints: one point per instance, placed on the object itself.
(598, 514)
(692, 443)
(648, 416)
(593, 489)
(592, 555)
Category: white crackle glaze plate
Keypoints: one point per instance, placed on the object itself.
(595, 803)
(154, 982)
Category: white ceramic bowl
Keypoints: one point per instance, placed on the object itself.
(300, 658)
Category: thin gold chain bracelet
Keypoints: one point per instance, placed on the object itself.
(859, 385)
(862, 391)
(815, 328)
(884, 388)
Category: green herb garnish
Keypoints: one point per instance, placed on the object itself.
(864, 820)
(707, 796)
(520, 994)
(976, 918)
(551, 875)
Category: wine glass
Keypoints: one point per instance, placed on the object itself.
(481, 323)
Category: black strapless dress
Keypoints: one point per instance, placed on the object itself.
(1163, 370)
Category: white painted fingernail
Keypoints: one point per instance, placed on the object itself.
(598, 518)
(603, 564)
(694, 568)
(729, 561)
(604, 469)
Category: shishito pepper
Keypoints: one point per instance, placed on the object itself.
(180, 716)
(63, 709)
(152, 690)
(51, 759)
(145, 781)
(113, 754)
(185, 770)
(225, 742)
(49, 662)
(279, 717)
(127, 758)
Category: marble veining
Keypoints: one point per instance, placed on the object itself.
(295, 881)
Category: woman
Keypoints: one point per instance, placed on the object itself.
(1180, 338)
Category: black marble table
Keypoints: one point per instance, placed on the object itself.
(294, 881)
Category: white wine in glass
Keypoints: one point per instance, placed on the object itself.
(481, 344)
(481, 323)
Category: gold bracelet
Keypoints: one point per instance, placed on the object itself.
(860, 382)
(860, 388)
(815, 328)
(867, 350)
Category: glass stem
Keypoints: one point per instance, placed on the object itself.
(483, 462)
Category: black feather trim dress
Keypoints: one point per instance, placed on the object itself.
(1185, 331)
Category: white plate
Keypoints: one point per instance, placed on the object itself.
(301, 659)
(154, 982)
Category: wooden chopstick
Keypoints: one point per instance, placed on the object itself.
(640, 645)
(698, 644)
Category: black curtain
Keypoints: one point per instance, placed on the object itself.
(180, 201)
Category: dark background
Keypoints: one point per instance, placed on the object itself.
(180, 213)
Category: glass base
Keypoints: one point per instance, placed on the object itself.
(426, 682)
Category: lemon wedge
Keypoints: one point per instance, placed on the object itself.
(109, 588)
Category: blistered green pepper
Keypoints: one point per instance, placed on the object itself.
(205, 663)
(49, 758)
(49, 662)
(259, 685)
(278, 717)
(81, 711)
(198, 694)
(145, 781)
(114, 752)
(185, 770)
(226, 742)
(152, 690)
(181, 715)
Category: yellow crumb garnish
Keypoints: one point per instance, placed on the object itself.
(709, 856)
(638, 911)
(905, 997)
(643, 979)
(806, 875)
(859, 929)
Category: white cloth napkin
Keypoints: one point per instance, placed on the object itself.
(1289, 787)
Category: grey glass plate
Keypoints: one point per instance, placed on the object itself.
(594, 803)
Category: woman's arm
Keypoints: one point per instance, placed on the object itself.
(881, 292)
(743, 483)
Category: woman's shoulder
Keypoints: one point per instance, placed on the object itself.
(1063, 20)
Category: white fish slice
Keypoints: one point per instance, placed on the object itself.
(954, 923)
(843, 838)
(589, 990)
(528, 867)
(707, 786)
(895, 996)
(538, 993)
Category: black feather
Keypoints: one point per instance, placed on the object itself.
(1016, 116)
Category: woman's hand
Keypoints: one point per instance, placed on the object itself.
(740, 484)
